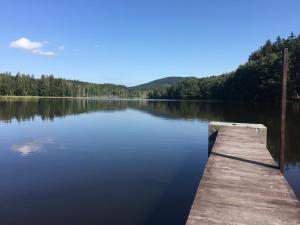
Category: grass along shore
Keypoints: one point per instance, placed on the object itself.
(6, 97)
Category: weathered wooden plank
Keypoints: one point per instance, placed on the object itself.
(241, 183)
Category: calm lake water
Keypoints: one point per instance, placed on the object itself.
(112, 162)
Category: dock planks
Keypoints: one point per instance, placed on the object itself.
(242, 184)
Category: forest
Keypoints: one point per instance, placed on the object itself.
(27, 85)
(259, 79)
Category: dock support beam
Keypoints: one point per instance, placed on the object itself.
(283, 108)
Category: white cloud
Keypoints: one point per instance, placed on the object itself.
(61, 48)
(41, 52)
(24, 43)
(32, 46)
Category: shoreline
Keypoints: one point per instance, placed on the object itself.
(14, 97)
(58, 97)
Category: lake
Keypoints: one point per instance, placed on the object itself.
(112, 162)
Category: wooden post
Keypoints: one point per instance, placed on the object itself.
(283, 107)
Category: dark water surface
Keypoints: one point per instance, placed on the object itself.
(113, 162)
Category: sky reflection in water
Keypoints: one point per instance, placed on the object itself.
(87, 160)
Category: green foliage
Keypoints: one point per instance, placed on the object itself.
(259, 79)
(26, 85)
(159, 83)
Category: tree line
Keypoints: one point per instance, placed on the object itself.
(28, 85)
(259, 79)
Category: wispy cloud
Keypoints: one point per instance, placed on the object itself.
(41, 52)
(35, 47)
(61, 48)
(32, 146)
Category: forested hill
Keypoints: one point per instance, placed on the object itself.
(26, 85)
(259, 79)
(160, 83)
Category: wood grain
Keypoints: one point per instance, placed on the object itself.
(242, 184)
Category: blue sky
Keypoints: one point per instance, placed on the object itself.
(135, 41)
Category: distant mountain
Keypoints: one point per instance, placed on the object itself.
(160, 83)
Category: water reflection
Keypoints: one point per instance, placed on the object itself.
(267, 114)
(149, 149)
(34, 146)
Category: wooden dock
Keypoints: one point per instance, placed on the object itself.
(241, 183)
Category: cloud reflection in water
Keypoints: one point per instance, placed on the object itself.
(33, 146)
